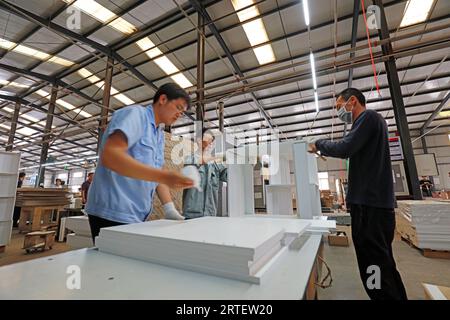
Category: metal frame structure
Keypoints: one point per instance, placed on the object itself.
(118, 60)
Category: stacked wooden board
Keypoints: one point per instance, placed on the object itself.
(228, 247)
(40, 197)
(426, 223)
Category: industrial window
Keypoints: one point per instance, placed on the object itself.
(323, 181)
(78, 174)
(62, 176)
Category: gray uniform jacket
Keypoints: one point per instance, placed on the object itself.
(198, 204)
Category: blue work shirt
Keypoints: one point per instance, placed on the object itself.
(122, 199)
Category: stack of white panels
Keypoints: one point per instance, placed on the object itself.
(429, 219)
(229, 247)
(81, 238)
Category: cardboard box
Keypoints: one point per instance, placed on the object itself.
(338, 239)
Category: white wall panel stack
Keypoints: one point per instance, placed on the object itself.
(82, 237)
(9, 171)
(234, 248)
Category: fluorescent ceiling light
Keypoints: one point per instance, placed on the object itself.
(254, 30)
(306, 11)
(26, 131)
(13, 84)
(166, 65)
(3, 138)
(181, 80)
(264, 54)
(256, 33)
(445, 113)
(64, 104)
(316, 101)
(19, 48)
(416, 11)
(102, 14)
(313, 70)
(100, 84)
(163, 62)
(5, 126)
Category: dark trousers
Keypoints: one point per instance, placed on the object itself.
(372, 234)
(97, 223)
(16, 216)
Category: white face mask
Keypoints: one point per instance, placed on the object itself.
(344, 115)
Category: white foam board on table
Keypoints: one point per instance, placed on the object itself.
(107, 276)
(293, 221)
(79, 225)
(229, 247)
(217, 233)
(78, 242)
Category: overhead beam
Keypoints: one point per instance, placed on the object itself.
(356, 6)
(436, 112)
(47, 130)
(200, 111)
(212, 27)
(12, 131)
(50, 80)
(9, 7)
(106, 100)
(398, 106)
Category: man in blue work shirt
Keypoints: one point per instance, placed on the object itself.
(370, 194)
(131, 160)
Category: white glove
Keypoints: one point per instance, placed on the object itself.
(192, 173)
(171, 213)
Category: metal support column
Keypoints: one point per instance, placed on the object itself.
(399, 107)
(356, 6)
(200, 112)
(221, 116)
(105, 101)
(12, 132)
(47, 136)
(425, 148)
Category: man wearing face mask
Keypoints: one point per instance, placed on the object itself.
(131, 160)
(370, 194)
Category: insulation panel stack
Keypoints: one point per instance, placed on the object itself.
(426, 223)
(228, 247)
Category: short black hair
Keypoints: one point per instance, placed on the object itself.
(58, 179)
(172, 91)
(347, 93)
(90, 174)
(22, 174)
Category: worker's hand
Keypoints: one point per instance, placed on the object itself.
(171, 213)
(176, 180)
(312, 148)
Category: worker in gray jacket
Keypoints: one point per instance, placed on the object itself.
(204, 200)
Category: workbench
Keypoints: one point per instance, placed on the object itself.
(106, 276)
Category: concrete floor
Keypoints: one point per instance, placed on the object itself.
(414, 268)
(14, 252)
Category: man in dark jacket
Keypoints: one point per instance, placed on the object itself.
(370, 193)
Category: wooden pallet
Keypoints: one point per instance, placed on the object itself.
(38, 218)
(429, 253)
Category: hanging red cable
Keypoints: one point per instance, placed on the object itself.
(370, 49)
